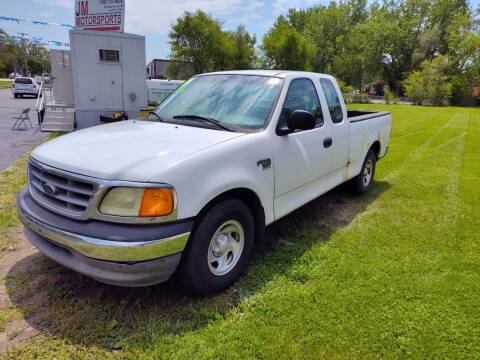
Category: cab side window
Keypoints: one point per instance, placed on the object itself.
(333, 101)
(302, 96)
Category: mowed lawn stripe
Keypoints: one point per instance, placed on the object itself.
(417, 149)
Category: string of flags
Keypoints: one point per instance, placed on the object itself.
(6, 39)
(35, 22)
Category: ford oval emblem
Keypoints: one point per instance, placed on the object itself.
(49, 189)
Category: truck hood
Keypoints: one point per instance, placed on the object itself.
(131, 150)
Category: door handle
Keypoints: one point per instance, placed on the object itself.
(327, 142)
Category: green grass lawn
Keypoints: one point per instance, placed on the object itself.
(11, 181)
(392, 274)
(5, 83)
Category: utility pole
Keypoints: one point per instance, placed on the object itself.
(24, 48)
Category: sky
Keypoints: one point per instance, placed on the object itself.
(152, 18)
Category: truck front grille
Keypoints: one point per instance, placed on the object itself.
(59, 192)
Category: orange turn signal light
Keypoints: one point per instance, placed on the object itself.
(156, 202)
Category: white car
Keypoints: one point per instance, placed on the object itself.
(191, 189)
(25, 86)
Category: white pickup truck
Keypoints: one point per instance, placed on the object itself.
(190, 189)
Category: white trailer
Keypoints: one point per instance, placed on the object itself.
(108, 74)
(62, 84)
(157, 90)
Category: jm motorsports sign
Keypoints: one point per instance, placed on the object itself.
(106, 15)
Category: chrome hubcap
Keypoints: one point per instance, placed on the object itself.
(367, 172)
(225, 247)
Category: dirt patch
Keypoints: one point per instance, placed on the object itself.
(9, 258)
(17, 332)
(19, 326)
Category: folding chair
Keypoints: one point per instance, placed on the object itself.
(21, 121)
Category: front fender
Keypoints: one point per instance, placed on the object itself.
(231, 165)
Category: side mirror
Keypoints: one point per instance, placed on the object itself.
(298, 120)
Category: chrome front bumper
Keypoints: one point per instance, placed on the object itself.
(107, 249)
(151, 261)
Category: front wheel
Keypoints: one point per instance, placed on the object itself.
(219, 249)
(363, 182)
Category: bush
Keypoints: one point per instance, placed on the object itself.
(344, 88)
(415, 87)
(431, 84)
(357, 97)
(389, 96)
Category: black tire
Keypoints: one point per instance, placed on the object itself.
(21, 95)
(361, 183)
(15, 96)
(194, 271)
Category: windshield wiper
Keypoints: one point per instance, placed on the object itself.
(157, 116)
(203, 119)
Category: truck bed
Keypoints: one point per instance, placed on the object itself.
(360, 115)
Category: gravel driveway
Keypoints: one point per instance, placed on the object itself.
(14, 143)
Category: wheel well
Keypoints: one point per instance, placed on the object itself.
(253, 202)
(376, 148)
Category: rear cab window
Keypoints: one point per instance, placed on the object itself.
(333, 102)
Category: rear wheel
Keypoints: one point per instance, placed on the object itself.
(219, 249)
(15, 96)
(362, 182)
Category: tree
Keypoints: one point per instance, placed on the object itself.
(285, 48)
(464, 57)
(436, 80)
(198, 45)
(431, 83)
(10, 54)
(358, 61)
(243, 54)
(38, 59)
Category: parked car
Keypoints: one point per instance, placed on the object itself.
(191, 189)
(25, 86)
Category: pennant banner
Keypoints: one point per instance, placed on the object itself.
(4, 39)
(35, 22)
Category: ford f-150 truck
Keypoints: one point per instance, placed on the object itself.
(190, 189)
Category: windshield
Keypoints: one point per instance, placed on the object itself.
(243, 101)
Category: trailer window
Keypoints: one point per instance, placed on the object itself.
(109, 55)
(333, 102)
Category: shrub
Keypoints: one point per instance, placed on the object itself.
(389, 96)
(357, 97)
(415, 87)
(344, 88)
(431, 84)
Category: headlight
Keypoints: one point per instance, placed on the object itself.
(130, 201)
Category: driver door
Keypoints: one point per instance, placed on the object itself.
(300, 158)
